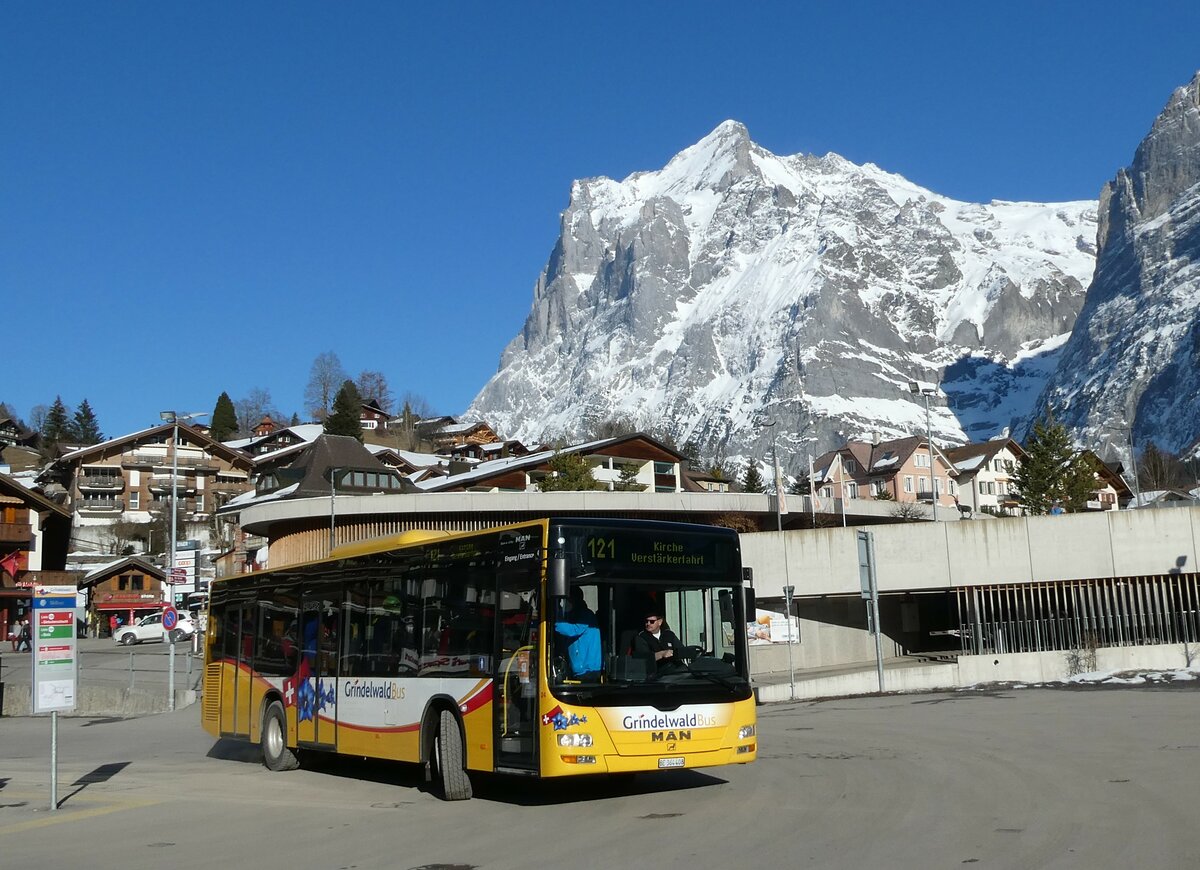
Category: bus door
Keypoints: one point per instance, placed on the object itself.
(237, 648)
(316, 701)
(516, 706)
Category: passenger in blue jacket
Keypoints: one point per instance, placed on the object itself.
(578, 624)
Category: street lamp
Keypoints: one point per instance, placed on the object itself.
(775, 471)
(333, 474)
(918, 389)
(173, 418)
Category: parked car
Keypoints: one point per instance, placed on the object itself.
(149, 629)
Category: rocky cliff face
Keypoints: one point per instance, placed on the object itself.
(735, 287)
(1134, 357)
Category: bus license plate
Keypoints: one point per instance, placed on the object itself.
(670, 762)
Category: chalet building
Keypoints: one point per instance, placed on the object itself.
(373, 417)
(128, 588)
(985, 483)
(897, 470)
(10, 433)
(35, 534)
(1112, 492)
(445, 433)
(636, 461)
(265, 426)
(131, 479)
(332, 466)
(705, 482)
(476, 452)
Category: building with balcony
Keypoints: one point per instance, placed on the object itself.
(986, 476)
(34, 536)
(132, 481)
(900, 470)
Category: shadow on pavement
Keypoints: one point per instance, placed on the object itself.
(103, 773)
(517, 791)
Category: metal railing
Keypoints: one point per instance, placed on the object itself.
(1071, 615)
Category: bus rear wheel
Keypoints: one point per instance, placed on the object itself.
(275, 751)
(448, 759)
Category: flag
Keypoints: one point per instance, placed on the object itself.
(12, 563)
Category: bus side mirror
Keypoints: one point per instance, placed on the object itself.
(558, 577)
(725, 603)
(751, 604)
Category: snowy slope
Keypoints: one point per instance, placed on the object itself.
(735, 286)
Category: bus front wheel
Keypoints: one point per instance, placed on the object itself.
(275, 752)
(448, 758)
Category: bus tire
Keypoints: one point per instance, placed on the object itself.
(448, 751)
(275, 752)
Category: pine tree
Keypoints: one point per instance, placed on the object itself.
(85, 429)
(628, 481)
(571, 473)
(1052, 472)
(58, 425)
(346, 418)
(224, 419)
(752, 482)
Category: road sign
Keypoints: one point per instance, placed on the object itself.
(54, 652)
(179, 572)
(170, 618)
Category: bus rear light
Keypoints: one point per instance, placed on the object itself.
(579, 759)
(584, 740)
(745, 731)
(749, 747)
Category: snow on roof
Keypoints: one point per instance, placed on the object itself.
(100, 569)
(74, 453)
(455, 428)
(972, 463)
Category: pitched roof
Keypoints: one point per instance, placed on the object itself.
(187, 432)
(497, 467)
(969, 457)
(882, 458)
(11, 487)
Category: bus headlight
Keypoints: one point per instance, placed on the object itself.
(574, 739)
(745, 731)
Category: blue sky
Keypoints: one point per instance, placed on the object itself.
(204, 197)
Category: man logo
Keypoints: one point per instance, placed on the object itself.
(664, 736)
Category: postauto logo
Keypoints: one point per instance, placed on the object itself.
(657, 721)
(385, 691)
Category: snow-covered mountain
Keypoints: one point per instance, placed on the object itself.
(734, 287)
(1134, 356)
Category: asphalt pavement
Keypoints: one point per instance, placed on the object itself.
(1032, 778)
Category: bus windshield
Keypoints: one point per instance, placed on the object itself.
(611, 639)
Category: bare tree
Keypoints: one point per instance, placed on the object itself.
(37, 417)
(909, 511)
(373, 386)
(251, 409)
(1158, 469)
(324, 380)
(117, 538)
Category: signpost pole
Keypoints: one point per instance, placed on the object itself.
(53, 760)
(870, 592)
(170, 619)
(55, 663)
(788, 591)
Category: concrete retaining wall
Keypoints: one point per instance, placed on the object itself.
(101, 701)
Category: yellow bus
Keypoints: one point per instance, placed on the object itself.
(514, 650)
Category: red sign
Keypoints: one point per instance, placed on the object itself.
(55, 617)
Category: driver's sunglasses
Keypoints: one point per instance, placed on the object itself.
(652, 619)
